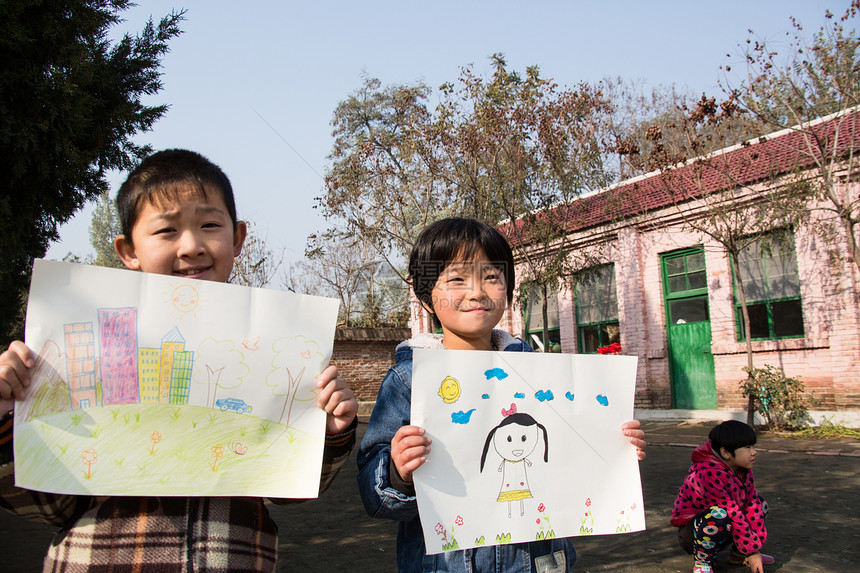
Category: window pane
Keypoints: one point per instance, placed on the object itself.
(695, 262)
(758, 321)
(691, 310)
(554, 341)
(590, 338)
(610, 333)
(678, 283)
(784, 282)
(675, 265)
(698, 279)
(586, 303)
(787, 318)
(596, 299)
(534, 312)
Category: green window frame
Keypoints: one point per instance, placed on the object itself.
(685, 286)
(596, 302)
(772, 288)
(533, 320)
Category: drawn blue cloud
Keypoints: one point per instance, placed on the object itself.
(519, 395)
(485, 396)
(544, 395)
(602, 400)
(496, 373)
(569, 396)
(462, 417)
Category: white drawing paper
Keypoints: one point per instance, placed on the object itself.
(525, 447)
(158, 385)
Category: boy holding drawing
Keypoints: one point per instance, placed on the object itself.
(462, 272)
(178, 218)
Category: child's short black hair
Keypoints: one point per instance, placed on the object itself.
(731, 435)
(166, 175)
(454, 239)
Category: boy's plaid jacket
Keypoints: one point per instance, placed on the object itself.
(164, 534)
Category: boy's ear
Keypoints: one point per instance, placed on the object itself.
(125, 250)
(240, 230)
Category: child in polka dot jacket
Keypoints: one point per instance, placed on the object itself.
(718, 503)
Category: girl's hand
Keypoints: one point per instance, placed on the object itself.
(632, 430)
(409, 448)
(754, 563)
(337, 400)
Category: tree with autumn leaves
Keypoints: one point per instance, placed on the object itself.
(508, 147)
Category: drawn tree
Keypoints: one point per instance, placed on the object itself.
(223, 367)
(88, 458)
(294, 356)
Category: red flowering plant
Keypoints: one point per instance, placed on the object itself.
(614, 348)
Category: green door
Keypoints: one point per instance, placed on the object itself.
(691, 363)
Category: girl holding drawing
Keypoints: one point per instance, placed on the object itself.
(462, 272)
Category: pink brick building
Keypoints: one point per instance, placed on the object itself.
(666, 291)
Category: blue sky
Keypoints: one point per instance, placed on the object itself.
(240, 68)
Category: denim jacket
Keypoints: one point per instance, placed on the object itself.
(385, 495)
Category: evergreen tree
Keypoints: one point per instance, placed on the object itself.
(70, 103)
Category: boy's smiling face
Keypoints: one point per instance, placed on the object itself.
(469, 298)
(192, 236)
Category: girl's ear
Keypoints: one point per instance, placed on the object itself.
(725, 454)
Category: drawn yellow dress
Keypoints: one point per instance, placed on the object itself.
(515, 483)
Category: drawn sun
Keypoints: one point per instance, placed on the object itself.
(185, 299)
(449, 390)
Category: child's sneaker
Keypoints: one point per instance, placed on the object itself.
(699, 567)
(738, 559)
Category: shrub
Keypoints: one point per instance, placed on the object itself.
(778, 398)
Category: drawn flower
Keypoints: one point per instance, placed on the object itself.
(537, 520)
(459, 520)
(633, 506)
(588, 502)
(439, 529)
(541, 508)
(238, 448)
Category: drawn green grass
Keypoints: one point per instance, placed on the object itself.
(255, 451)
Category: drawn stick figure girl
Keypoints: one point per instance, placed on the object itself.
(514, 439)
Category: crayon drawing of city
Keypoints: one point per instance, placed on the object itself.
(210, 391)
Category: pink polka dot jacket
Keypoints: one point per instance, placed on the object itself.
(711, 482)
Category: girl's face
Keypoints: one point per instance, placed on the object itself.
(515, 442)
(469, 298)
(743, 458)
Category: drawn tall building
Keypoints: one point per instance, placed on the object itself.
(118, 355)
(80, 364)
(180, 382)
(171, 344)
(148, 362)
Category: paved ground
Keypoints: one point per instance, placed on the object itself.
(813, 488)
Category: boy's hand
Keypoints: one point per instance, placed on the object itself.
(337, 400)
(15, 365)
(409, 448)
(632, 430)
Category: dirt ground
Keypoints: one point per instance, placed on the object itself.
(812, 487)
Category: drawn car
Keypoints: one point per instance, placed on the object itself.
(235, 404)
